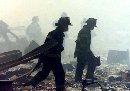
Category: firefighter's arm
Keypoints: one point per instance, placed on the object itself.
(76, 48)
(50, 38)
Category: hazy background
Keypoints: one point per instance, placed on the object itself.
(113, 19)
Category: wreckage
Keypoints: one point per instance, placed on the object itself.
(13, 58)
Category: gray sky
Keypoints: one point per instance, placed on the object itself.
(113, 18)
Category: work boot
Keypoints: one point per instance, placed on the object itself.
(31, 82)
(60, 89)
(93, 79)
(27, 84)
(28, 88)
(87, 82)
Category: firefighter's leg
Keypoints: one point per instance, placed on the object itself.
(59, 74)
(39, 76)
(90, 71)
(79, 70)
(91, 66)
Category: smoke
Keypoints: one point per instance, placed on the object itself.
(112, 19)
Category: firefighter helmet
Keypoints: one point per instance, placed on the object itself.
(63, 21)
(91, 21)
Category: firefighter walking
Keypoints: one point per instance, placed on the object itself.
(83, 52)
(52, 60)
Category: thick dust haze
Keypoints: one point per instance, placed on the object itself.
(112, 32)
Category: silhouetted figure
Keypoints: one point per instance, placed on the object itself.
(34, 32)
(52, 61)
(83, 52)
(4, 30)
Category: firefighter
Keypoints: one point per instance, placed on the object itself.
(52, 60)
(83, 52)
(34, 31)
(4, 30)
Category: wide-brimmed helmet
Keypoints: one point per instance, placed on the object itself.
(91, 21)
(63, 21)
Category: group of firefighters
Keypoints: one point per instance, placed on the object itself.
(52, 60)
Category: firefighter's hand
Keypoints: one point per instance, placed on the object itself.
(97, 61)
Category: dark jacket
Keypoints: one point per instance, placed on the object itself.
(54, 52)
(83, 41)
(59, 37)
